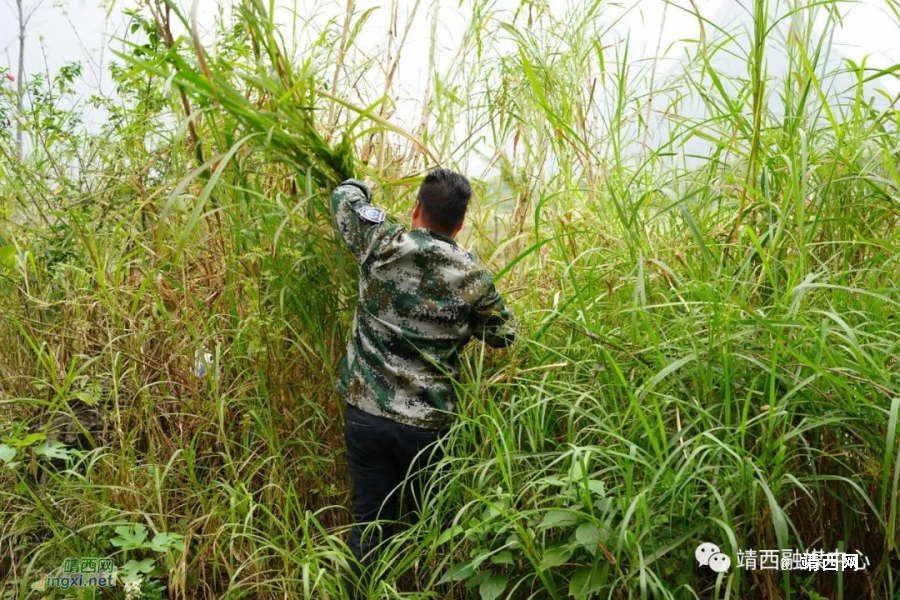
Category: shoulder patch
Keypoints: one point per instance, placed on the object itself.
(371, 214)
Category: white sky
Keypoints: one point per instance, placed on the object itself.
(67, 30)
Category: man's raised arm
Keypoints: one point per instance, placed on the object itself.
(491, 321)
(358, 222)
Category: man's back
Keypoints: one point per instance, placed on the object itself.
(421, 298)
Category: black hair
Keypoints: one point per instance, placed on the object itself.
(444, 197)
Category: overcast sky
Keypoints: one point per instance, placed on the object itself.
(82, 30)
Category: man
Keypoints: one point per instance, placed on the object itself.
(421, 298)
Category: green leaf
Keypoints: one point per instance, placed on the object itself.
(130, 537)
(492, 587)
(166, 541)
(145, 566)
(779, 520)
(6, 453)
(665, 372)
(476, 579)
(503, 558)
(576, 473)
(604, 504)
(588, 536)
(358, 26)
(496, 509)
(556, 555)
(52, 450)
(460, 571)
(449, 534)
(554, 481)
(28, 440)
(585, 581)
(596, 487)
(8, 256)
(559, 518)
(197, 214)
(86, 398)
(131, 570)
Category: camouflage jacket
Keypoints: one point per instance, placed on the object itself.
(421, 298)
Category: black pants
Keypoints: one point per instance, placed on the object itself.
(380, 454)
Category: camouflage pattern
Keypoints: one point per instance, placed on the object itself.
(421, 298)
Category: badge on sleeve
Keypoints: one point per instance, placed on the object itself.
(371, 214)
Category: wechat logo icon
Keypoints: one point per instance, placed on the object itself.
(709, 555)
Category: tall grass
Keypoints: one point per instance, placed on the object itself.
(709, 345)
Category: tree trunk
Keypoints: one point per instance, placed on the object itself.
(20, 82)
